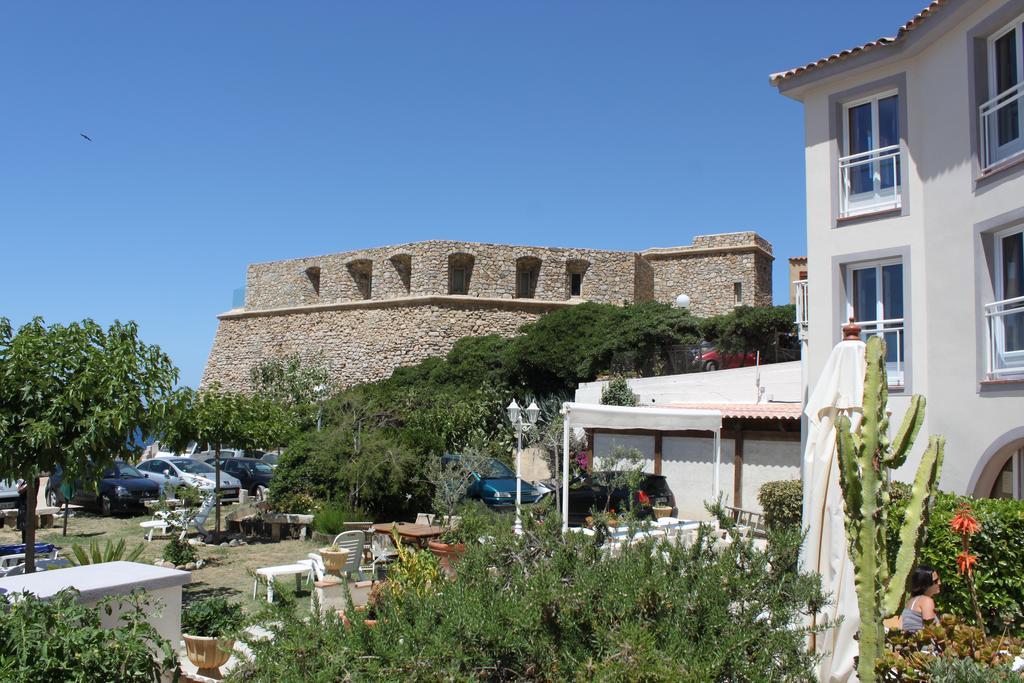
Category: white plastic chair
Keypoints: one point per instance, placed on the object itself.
(354, 542)
(425, 518)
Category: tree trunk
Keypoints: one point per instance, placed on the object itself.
(30, 525)
(67, 509)
(216, 488)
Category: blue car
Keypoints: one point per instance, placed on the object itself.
(497, 486)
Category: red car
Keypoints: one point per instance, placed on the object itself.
(711, 359)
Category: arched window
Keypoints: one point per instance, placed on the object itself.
(1010, 480)
(402, 263)
(361, 271)
(527, 273)
(460, 273)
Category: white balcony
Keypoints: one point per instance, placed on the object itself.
(1005, 337)
(869, 182)
(1002, 127)
(892, 332)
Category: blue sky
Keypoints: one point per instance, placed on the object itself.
(226, 133)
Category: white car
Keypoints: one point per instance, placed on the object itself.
(8, 495)
(180, 471)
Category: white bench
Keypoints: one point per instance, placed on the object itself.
(271, 573)
(154, 524)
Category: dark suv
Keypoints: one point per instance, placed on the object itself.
(589, 492)
(254, 474)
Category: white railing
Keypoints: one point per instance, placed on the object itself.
(870, 166)
(991, 151)
(1005, 336)
(802, 304)
(892, 332)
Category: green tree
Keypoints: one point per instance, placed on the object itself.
(75, 396)
(618, 393)
(303, 384)
(222, 418)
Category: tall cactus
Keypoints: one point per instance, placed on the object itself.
(866, 457)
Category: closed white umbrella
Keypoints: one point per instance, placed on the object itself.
(840, 389)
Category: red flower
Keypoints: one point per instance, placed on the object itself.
(965, 563)
(964, 521)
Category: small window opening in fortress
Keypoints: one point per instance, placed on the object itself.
(313, 275)
(737, 293)
(576, 284)
(365, 284)
(527, 270)
(458, 284)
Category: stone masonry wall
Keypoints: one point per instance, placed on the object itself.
(361, 344)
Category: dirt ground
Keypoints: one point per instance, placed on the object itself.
(227, 572)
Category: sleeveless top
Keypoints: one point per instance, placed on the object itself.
(911, 621)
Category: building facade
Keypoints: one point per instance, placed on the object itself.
(368, 312)
(915, 213)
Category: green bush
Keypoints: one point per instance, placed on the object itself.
(618, 393)
(948, 651)
(58, 639)
(214, 617)
(999, 573)
(331, 518)
(782, 502)
(179, 552)
(111, 552)
(540, 607)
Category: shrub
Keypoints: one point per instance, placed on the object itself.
(112, 552)
(999, 573)
(782, 502)
(179, 552)
(950, 650)
(214, 617)
(330, 519)
(618, 393)
(293, 503)
(543, 607)
(58, 639)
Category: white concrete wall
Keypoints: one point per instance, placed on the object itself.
(688, 466)
(946, 273)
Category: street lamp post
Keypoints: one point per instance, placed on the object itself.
(515, 416)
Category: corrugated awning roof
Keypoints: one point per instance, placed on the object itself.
(754, 411)
(777, 78)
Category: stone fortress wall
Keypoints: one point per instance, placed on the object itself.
(367, 312)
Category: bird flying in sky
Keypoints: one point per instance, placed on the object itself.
(86, 137)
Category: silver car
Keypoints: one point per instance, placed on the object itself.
(189, 472)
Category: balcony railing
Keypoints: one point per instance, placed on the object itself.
(1001, 134)
(870, 181)
(1005, 337)
(801, 301)
(892, 332)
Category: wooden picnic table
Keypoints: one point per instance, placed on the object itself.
(414, 534)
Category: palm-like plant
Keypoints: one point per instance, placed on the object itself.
(111, 552)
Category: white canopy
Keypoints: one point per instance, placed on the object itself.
(596, 416)
(840, 389)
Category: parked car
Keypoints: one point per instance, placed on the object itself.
(190, 472)
(589, 492)
(711, 359)
(271, 458)
(8, 494)
(226, 453)
(497, 485)
(254, 474)
(120, 487)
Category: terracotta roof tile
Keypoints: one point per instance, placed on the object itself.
(915, 21)
(763, 411)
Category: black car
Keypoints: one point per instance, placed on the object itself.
(120, 487)
(590, 492)
(254, 474)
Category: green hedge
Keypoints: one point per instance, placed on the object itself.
(782, 502)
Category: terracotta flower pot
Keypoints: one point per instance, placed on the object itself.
(661, 511)
(447, 554)
(208, 653)
(334, 560)
(360, 612)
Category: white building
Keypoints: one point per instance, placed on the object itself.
(760, 433)
(915, 223)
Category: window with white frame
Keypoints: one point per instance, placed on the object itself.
(875, 302)
(869, 169)
(1005, 315)
(1001, 116)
